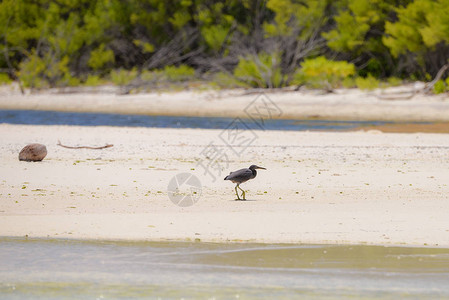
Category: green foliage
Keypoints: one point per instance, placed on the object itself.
(32, 72)
(45, 38)
(174, 73)
(94, 80)
(372, 66)
(216, 22)
(439, 87)
(405, 35)
(123, 77)
(261, 70)
(4, 79)
(349, 34)
(359, 26)
(290, 15)
(225, 80)
(422, 25)
(368, 83)
(358, 34)
(348, 82)
(320, 72)
(420, 36)
(215, 35)
(55, 43)
(149, 76)
(100, 57)
(394, 81)
(48, 71)
(169, 74)
(146, 47)
(19, 23)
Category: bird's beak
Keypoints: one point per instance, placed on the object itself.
(261, 168)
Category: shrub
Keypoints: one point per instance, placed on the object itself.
(93, 80)
(348, 82)
(169, 74)
(123, 77)
(146, 47)
(368, 83)
(149, 76)
(262, 70)
(31, 72)
(100, 57)
(69, 80)
(224, 80)
(394, 81)
(215, 35)
(4, 78)
(181, 73)
(47, 71)
(439, 87)
(320, 72)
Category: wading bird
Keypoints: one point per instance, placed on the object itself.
(241, 176)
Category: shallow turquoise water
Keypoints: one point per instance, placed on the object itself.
(63, 269)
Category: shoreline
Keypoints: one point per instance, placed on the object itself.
(343, 104)
(360, 188)
(217, 243)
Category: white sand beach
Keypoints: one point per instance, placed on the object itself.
(319, 187)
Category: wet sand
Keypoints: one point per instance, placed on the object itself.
(411, 127)
(319, 187)
(72, 269)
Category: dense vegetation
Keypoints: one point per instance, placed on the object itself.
(260, 43)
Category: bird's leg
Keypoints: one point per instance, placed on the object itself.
(238, 197)
(243, 192)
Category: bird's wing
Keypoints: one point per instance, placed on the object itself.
(242, 173)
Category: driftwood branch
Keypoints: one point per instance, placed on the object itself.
(440, 73)
(84, 147)
(410, 94)
(405, 95)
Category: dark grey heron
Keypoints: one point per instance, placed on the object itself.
(241, 176)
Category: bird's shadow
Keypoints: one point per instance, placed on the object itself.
(241, 200)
